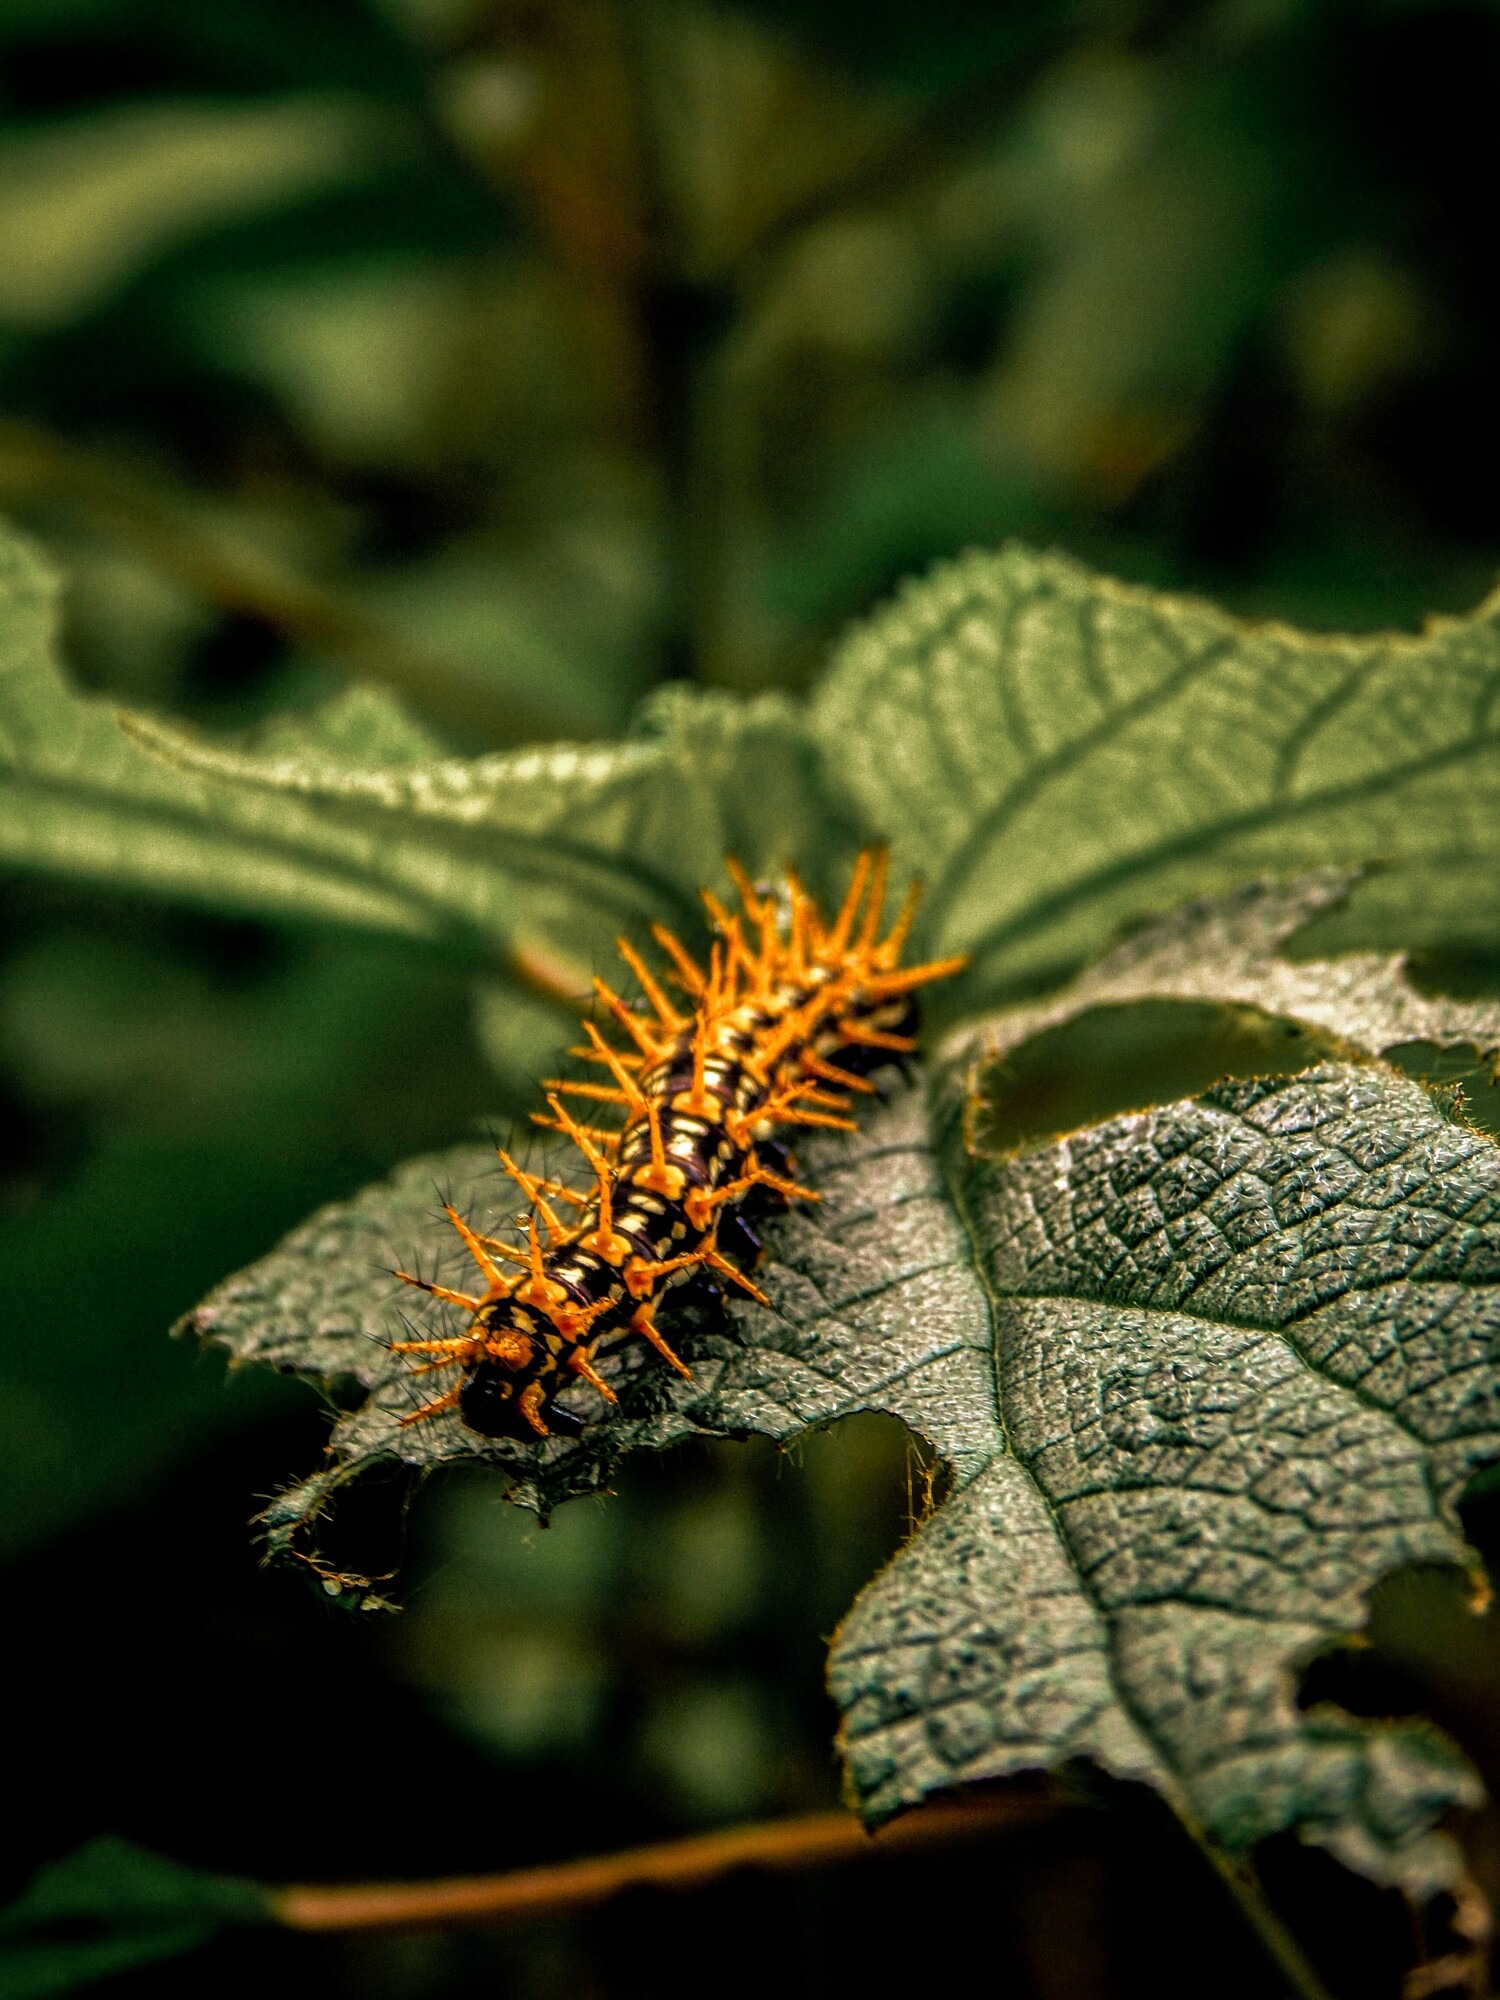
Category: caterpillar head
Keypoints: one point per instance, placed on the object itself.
(498, 1403)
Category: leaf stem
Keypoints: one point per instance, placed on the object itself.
(1239, 1877)
(524, 1895)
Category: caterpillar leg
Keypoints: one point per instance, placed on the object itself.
(722, 1265)
(580, 1364)
(529, 1403)
(643, 1319)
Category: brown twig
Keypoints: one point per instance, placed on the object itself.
(811, 1840)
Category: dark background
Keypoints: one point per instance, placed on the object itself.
(520, 356)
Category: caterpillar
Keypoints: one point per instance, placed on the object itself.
(783, 1027)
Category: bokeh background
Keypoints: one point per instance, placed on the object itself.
(519, 354)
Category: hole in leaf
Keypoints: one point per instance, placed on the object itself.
(345, 1393)
(1114, 1059)
(1426, 1652)
(1359, 1936)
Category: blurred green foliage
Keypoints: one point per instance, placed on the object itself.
(567, 345)
(517, 355)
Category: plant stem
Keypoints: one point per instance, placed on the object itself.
(810, 1840)
(1239, 1877)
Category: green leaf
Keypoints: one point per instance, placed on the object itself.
(110, 1907)
(1243, 1351)
(88, 200)
(365, 725)
(350, 818)
(1200, 1378)
(81, 798)
(1056, 753)
(552, 848)
(1059, 755)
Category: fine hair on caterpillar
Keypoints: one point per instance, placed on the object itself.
(779, 1030)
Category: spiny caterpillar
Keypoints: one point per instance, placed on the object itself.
(787, 1020)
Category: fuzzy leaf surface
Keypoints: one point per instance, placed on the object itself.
(1060, 754)
(351, 816)
(912, 1342)
(1244, 1364)
(1201, 1376)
